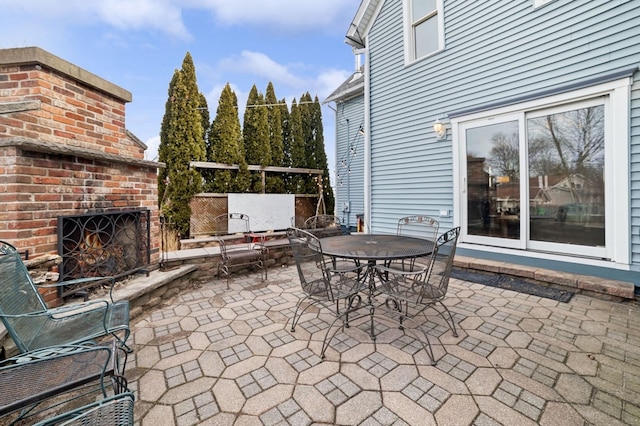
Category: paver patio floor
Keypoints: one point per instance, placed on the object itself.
(226, 357)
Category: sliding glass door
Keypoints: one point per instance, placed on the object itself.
(535, 179)
(566, 160)
(492, 163)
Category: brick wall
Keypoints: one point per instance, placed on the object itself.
(64, 149)
(75, 108)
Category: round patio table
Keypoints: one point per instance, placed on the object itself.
(375, 247)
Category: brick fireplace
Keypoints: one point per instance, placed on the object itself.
(65, 151)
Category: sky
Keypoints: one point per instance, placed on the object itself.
(298, 45)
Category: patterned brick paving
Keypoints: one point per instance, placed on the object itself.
(229, 358)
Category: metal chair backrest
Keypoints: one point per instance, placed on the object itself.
(18, 294)
(442, 261)
(32, 325)
(231, 223)
(418, 226)
(306, 248)
(322, 221)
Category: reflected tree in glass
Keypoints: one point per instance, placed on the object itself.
(493, 180)
(566, 176)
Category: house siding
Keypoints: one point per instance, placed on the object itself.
(350, 164)
(494, 52)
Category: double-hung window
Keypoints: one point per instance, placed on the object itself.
(424, 28)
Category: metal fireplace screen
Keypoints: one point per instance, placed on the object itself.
(103, 245)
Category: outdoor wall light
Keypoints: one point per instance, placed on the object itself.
(440, 129)
(361, 130)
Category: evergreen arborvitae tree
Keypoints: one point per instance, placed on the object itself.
(321, 155)
(275, 182)
(206, 119)
(305, 106)
(225, 146)
(255, 132)
(181, 141)
(297, 149)
(286, 142)
(206, 174)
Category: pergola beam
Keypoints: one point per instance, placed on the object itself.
(274, 169)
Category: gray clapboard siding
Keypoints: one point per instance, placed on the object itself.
(351, 188)
(494, 50)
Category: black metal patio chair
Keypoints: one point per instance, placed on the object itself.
(42, 381)
(420, 226)
(33, 325)
(326, 225)
(322, 285)
(408, 294)
(250, 251)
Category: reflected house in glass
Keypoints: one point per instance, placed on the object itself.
(538, 160)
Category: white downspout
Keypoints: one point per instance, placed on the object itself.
(367, 142)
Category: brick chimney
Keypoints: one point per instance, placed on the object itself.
(65, 150)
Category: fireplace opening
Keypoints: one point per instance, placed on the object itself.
(105, 244)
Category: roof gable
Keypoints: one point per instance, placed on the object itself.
(353, 86)
(361, 23)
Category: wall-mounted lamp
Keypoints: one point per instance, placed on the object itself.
(361, 130)
(440, 129)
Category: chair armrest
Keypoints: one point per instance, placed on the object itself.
(356, 268)
(391, 271)
(62, 311)
(261, 246)
(222, 245)
(53, 351)
(77, 308)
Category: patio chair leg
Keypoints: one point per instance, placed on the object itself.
(426, 344)
(449, 321)
(328, 337)
(296, 315)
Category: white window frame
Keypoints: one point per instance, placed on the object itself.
(601, 252)
(494, 119)
(617, 116)
(409, 42)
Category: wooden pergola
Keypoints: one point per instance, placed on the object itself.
(263, 172)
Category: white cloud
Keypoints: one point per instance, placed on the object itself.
(289, 76)
(165, 16)
(285, 15)
(260, 65)
(160, 16)
(329, 80)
